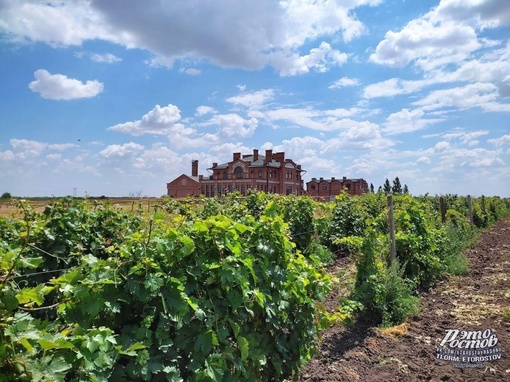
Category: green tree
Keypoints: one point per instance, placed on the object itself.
(6, 195)
(406, 190)
(387, 186)
(371, 188)
(397, 187)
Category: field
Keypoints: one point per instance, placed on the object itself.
(250, 288)
(8, 207)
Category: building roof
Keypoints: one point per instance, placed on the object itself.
(336, 179)
(249, 158)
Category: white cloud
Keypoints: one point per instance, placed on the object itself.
(28, 145)
(319, 59)
(244, 34)
(254, 99)
(344, 82)
(157, 157)
(465, 137)
(423, 160)
(427, 44)
(482, 14)
(501, 141)
(442, 146)
(483, 95)
(159, 121)
(105, 58)
(35, 21)
(125, 151)
(203, 110)
(359, 136)
(190, 71)
(233, 125)
(60, 87)
(406, 121)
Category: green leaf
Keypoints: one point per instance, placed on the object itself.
(33, 295)
(244, 347)
(60, 343)
(10, 302)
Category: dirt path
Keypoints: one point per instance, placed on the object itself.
(475, 302)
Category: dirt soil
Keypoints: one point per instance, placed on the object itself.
(477, 301)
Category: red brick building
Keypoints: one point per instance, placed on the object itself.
(271, 173)
(327, 189)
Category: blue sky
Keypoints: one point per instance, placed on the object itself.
(117, 97)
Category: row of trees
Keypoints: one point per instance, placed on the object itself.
(395, 189)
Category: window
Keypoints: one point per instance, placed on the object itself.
(288, 191)
(238, 172)
(260, 173)
(324, 186)
(225, 175)
(313, 186)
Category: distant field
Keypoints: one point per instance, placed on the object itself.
(8, 207)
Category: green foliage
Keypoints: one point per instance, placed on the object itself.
(386, 295)
(89, 292)
(348, 220)
(417, 242)
(299, 213)
(396, 189)
(6, 195)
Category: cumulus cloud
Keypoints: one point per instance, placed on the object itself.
(482, 14)
(159, 121)
(60, 87)
(344, 82)
(203, 110)
(125, 151)
(319, 59)
(233, 125)
(427, 44)
(254, 99)
(245, 34)
(406, 121)
(483, 95)
(423, 160)
(501, 141)
(445, 35)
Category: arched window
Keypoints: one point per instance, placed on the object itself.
(238, 172)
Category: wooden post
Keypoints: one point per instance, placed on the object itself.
(442, 209)
(470, 209)
(391, 221)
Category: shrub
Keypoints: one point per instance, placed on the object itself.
(211, 299)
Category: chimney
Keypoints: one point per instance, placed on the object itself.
(279, 157)
(237, 156)
(194, 167)
(321, 179)
(332, 178)
(344, 179)
(269, 156)
(255, 155)
(214, 164)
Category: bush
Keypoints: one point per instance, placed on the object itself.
(212, 299)
(348, 220)
(386, 295)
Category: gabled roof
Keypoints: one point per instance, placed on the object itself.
(180, 177)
